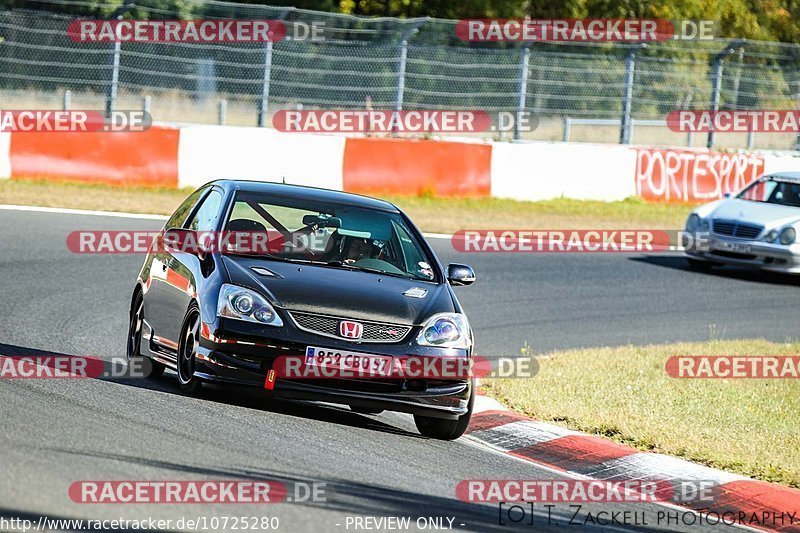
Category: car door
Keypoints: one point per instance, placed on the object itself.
(175, 274)
(183, 268)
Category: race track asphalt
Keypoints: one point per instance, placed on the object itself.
(56, 432)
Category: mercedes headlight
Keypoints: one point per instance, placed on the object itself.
(446, 330)
(788, 236)
(772, 235)
(244, 304)
(693, 222)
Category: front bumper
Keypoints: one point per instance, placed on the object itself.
(233, 352)
(748, 253)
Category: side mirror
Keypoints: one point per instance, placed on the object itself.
(177, 240)
(460, 274)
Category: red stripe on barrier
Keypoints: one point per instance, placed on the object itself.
(148, 158)
(414, 167)
(574, 452)
(755, 498)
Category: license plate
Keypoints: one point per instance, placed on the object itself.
(349, 362)
(732, 247)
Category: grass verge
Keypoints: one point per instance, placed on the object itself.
(438, 215)
(747, 426)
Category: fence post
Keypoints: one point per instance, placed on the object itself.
(400, 86)
(717, 86)
(401, 76)
(67, 100)
(567, 127)
(263, 104)
(522, 90)
(222, 112)
(625, 120)
(797, 97)
(111, 92)
(146, 104)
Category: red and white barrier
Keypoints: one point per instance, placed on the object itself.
(192, 155)
(541, 171)
(5, 156)
(206, 153)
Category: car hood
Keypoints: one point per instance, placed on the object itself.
(763, 214)
(340, 292)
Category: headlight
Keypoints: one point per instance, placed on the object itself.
(772, 235)
(704, 225)
(788, 236)
(446, 330)
(692, 222)
(244, 304)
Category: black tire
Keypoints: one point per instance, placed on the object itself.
(134, 348)
(697, 264)
(187, 350)
(442, 429)
(365, 410)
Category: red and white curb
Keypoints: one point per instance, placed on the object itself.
(562, 449)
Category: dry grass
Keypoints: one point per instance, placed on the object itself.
(748, 426)
(438, 215)
(95, 197)
(448, 215)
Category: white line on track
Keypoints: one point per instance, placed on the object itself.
(120, 214)
(65, 211)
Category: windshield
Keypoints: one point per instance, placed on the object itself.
(340, 236)
(773, 191)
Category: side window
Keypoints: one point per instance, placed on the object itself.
(415, 262)
(178, 218)
(206, 216)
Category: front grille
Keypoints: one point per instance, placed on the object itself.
(734, 228)
(329, 327)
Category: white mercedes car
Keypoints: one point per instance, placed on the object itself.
(757, 227)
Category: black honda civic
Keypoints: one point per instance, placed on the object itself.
(334, 286)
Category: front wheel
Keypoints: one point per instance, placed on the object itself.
(442, 429)
(187, 351)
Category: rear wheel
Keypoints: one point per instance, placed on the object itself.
(187, 351)
(442, 429)
(134, 350)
